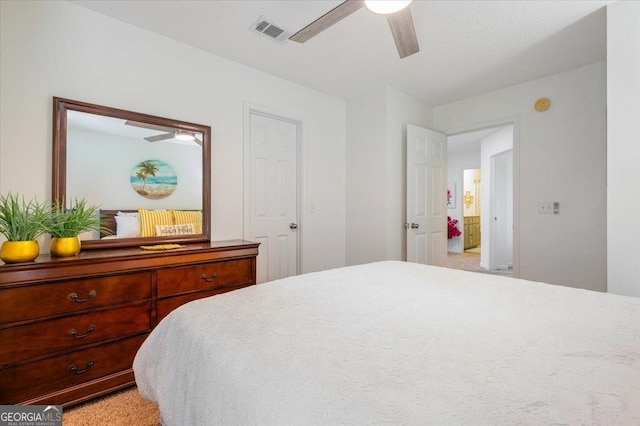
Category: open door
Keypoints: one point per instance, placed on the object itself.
(426, 224)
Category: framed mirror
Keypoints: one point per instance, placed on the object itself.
(150, 176)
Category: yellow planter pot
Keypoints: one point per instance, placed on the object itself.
(63, 247)
(19, 251)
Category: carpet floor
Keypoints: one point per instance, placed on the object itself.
(123, 408)
(470, 261)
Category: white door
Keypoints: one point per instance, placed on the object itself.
(426, 196)
(501, 211)
(271, 216)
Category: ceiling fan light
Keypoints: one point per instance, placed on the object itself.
(184, 136)
(385, 7)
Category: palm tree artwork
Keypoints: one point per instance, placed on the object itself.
(145, 169)
(153, 179)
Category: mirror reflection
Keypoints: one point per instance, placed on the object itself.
(471, 192)
(132, 165)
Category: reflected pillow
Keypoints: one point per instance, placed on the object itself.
(174, 230)
(184, 216)
(150, 218)
(127, 226)
(134, 214)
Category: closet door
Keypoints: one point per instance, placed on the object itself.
(271, 216)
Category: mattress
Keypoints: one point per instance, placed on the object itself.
(397, 343)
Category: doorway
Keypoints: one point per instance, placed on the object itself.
(271, 187)
(471, 210)
(480, 177)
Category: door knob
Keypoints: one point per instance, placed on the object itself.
(415, 226)
(293, 226)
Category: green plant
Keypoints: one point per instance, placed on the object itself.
(21, 221)
(70, 222)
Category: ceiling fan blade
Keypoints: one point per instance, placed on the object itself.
(149, 126)
(160, 137)
(404, 34)
(328, 19)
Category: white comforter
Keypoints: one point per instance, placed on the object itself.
(397, 343)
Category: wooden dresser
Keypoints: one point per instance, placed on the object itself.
(70, 327)
(471, 232)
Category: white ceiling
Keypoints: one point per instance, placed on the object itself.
(466, 47)
(118, 127)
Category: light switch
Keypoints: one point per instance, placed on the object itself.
(545, 207)
(548, 207)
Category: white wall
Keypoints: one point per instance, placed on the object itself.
(623, 147)
(376, 187)
(56, 48)
(366, 179)
(560, 155)
(96, 171)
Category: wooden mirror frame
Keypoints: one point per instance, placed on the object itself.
(59, 167)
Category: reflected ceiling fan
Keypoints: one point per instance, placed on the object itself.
(171, 132)
(398, 16)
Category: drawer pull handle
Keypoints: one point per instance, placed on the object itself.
(75, 334)
(75, 370)
(74, 297)
(209, 279)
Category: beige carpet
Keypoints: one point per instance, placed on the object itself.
(469, 261)
(124, 408)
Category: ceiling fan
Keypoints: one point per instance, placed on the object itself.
(398, 16)
(171, 132)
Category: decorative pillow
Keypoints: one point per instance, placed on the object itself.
(135, 214)
(172, 230)
(183, 216)
(127, 226)
(150, 218)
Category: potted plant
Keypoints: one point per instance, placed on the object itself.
(65, 224)
(20, 223)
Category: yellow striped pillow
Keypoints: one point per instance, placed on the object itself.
(182, 217)
(150, 218)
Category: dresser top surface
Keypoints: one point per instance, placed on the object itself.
(131, 258)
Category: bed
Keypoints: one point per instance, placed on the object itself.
(397, 343)
(138, 223)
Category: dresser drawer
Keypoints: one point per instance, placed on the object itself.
(215, 275)
(165, 306)
(37, 301)
(48, 337)
(42, 377)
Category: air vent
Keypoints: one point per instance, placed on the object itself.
(269, 29)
